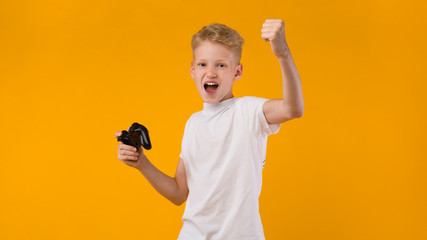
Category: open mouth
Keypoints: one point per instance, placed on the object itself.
(211, 87)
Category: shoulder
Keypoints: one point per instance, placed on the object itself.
(195, 116)
(251, 101)
(192, 118)
(251, 108)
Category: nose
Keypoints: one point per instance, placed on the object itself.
(211, 73)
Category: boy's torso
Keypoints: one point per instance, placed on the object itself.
(223, 151)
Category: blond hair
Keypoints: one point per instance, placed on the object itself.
(221, 34)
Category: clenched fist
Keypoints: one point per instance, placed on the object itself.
(273, 30)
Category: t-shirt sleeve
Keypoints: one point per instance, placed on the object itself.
(181, 155)
(184, 140)
(255, 118)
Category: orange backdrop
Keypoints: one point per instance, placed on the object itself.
(72, 73)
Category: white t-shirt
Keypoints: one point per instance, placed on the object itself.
(224, 149)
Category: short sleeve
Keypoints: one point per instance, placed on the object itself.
(184, 140)
(255, 118)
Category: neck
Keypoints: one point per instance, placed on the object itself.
(217, 105)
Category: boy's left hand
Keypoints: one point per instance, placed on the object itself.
(273, 30)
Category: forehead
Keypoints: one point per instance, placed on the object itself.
(208, 50)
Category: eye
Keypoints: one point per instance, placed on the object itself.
(202, 64)
(221, 65)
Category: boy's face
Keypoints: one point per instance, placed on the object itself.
(214, 69)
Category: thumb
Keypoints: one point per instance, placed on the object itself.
(118, 134)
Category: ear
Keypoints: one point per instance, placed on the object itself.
(239, 72)
(192, 70)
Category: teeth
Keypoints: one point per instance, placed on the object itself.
(211, 84)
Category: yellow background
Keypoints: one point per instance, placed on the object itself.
(72, 73)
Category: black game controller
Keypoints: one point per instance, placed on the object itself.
(137, 136)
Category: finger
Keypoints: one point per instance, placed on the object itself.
(270, 24)
(128, 158)
(128, 153)
(274, 20)
(131, 158)
(272, 28)
(127, 148)
(267, 36)
(266, 29)
(276, 25)
(123, 146)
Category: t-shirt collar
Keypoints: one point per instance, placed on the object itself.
(214, 107)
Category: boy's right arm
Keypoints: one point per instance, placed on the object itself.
(174, 189)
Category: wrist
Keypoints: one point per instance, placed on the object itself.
(144, 164)
(284, 54)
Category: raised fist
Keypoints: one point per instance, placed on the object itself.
(273, 30)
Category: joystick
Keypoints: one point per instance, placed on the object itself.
(137, 136)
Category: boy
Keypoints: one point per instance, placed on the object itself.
(219, 173)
